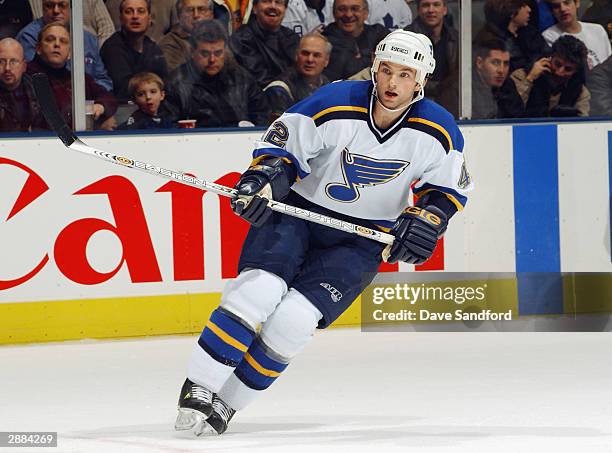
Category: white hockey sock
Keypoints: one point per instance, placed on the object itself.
(236, 394)
(282, 336)
(247, 301)
(206, 371)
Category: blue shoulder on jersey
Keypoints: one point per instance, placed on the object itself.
(432, 118)
(338, 98)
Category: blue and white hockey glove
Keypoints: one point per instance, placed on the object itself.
(416, 233)
(270, 179)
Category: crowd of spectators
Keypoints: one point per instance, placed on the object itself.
(549, 67)
(211, 87)
(59, 11)
(229, 63)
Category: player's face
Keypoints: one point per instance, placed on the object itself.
(135, 16)
(312, 57)
(432, 12)
(12, 65)
(54, 47)
(148, 96)
(209, 57)
(350, 16)
(192, 12)
(395, 84)
(56, 11)
(521, 18)
(565, 11)
(270, 13)
(494, 68)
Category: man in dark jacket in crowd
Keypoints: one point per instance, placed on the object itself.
(129, 51)
(555, 85)
(493, 93)
(212, 88)
(264, 47)
(509, 20)
(162, 12)
(52, 53)
(303, 78)
(443, 85)
(18, 105)
(59, 11)
(175, 44)
(352, 39)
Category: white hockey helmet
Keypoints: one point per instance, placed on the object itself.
(406, 48)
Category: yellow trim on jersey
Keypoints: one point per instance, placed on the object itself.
(435, 126)
(226, 337)
(339, 108)
(456, 202)
(385, 229)
(265, 156)
(261, 370)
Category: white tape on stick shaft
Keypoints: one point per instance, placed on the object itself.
(71, 141)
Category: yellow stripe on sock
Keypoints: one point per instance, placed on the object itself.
(249, 358)
(225, 337)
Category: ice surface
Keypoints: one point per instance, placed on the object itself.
(347, 392)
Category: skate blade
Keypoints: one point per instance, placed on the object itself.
(187, 419)
(203, 429)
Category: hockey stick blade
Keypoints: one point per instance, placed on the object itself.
(74, 143)
(54, 118)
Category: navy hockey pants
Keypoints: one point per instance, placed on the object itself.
(329, 267)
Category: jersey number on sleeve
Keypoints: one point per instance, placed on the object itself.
(278, 134)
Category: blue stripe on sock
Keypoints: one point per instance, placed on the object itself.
(218, 348)
(244, 378)
(232, 327)
(225, 360)
(253, 378)
(258, 352)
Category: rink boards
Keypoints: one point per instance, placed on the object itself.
(92, 250)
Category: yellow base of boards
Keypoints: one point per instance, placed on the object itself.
(35, 322)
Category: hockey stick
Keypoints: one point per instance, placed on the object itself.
(55, 120)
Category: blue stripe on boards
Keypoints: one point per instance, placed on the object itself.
(536, 217)
(610, 183)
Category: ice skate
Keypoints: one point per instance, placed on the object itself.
(219, 419)
(195, 405)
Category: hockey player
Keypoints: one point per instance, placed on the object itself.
(352, 151)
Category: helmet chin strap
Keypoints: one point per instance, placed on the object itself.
(399, 109)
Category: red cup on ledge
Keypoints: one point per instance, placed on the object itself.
(187, 124)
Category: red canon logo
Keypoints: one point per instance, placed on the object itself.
(33, 188)
(131, 228)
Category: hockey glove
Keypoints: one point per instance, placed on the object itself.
(416, 233)
(270, 179)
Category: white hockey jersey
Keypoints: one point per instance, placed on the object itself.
(302, 19)
(393, 14)
(346, 164)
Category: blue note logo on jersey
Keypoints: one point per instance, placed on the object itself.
(361, 171)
